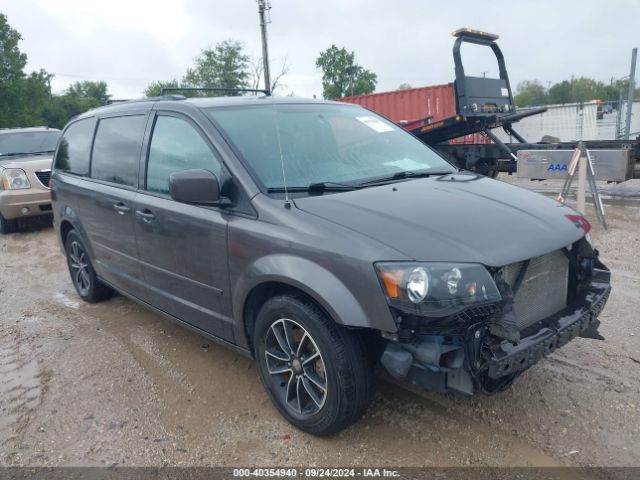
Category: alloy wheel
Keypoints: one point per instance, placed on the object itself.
(296, 368)
(79, 268)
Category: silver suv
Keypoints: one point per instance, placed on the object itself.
(25, 169)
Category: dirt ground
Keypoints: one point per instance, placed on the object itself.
(114, 384)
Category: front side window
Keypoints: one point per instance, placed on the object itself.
(322, 143)
(75, 147)
(176, 146)
(116, 150)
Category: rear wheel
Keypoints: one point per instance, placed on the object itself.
(316, 373)
(8, 226)
(82, 273)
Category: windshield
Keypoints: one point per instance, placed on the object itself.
(322, 144)
(28, 142)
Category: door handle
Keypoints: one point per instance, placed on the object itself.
(146, 215)
(121, 208)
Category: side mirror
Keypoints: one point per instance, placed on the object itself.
(196, 186)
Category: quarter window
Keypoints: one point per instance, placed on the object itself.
(176, 146)
(75, 147)
(116, 150)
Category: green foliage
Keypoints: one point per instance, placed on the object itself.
(26, 100)
(223, 66)
(154, 88)
(90, 90)
(341, 76)
(12, 61)
(21, 95)
(532, 93)
(22, 98)
(404, 86)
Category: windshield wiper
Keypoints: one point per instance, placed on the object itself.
(316, 187)
(13, 154)
(403, 175)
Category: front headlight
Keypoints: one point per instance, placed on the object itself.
(436, 289)
(14, 179)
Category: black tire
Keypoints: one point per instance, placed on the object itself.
(83, 276)
(341, 364)
(8, 226)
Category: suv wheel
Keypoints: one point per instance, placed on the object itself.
(82, 274)
(316, 373)
(8, 226)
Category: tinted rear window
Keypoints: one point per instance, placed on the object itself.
(116, 150)
(75, 147)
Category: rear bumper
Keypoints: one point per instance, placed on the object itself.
(36, 201)
(553, 332)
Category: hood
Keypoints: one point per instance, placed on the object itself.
(34, 162)
(456, 218)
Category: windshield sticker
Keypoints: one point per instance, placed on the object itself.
(375, 124)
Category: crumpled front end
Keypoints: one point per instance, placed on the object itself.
(545, 302)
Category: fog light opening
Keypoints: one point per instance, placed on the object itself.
(25, 210)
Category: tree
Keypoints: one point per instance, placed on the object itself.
(256, 75)
(155, 88)
(404, 86)
(21, 96)
(530, 93)
(90, 90)
(223, 66)
(341, 76)
(78, 98)
(12, 61)
(26, 100)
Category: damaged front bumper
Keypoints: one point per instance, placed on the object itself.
(476, 360)
(579, 319)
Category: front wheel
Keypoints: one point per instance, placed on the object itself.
(316, 373)
(8, 226)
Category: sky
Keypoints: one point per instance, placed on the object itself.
(130, 43)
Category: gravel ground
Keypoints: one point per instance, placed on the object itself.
(114, 384)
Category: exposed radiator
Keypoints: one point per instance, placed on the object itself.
(543, 291)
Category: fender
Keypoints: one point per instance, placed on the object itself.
(67, 214)
(309, 277)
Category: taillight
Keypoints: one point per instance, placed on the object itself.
(580, 222)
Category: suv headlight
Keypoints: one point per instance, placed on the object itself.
(14, 179)
(436, 289)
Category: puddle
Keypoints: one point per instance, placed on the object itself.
(20, 387)
(66, 301)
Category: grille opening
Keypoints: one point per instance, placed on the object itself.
(544, 289)
(43, 177)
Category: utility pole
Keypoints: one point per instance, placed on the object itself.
(263, 7)
(619, 132)
(632, 76)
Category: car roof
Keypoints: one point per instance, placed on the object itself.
(201, 102)
(28, 130)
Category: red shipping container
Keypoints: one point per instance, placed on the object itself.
(438, 101)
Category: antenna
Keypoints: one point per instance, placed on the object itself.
(287, 202)
(264, 6)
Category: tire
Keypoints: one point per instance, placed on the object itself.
(323, 354)
(83, 276)
(8, 226)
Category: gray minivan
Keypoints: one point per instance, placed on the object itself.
(322, 240)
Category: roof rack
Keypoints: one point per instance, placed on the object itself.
(199, 89)
(147, 99)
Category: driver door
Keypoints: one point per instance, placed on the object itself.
(182, 247)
